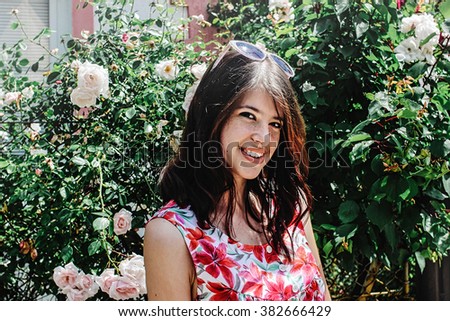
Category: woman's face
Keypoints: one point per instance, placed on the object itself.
(251, 135)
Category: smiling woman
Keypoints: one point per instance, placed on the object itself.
(236, 221)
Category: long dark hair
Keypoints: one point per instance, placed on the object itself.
(197, 175)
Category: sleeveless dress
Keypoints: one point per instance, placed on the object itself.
(229, 270)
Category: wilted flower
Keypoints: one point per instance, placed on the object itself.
(34, 254)
(24, 246)
(167, 69)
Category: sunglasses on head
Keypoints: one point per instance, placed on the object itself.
(255, 53)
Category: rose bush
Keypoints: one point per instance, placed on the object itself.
(372, 77)
(81, 152)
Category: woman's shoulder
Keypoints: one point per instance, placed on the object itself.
(177, 215)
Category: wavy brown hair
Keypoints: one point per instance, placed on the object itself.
(197, 175)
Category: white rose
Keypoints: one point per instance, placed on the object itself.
(28, 92)
(12, 97)
(167, 69)
(122, 221)
(307, 86)
(93, 77)
(408, 50)
(134, 268)
(198, 70)
(83, 97)
(273, 4)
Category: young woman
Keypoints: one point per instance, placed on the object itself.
(236, 221)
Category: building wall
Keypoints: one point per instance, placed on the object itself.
(83, 18)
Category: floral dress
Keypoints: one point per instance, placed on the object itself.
(229, 270)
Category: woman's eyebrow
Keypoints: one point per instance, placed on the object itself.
(256, 110)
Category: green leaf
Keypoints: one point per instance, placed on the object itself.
(24, 62)
(35, 66)
(445, 183)
(288, 43)
(130, 112)
(79, 161)
(358, 137)
(342, 6)
(14, 25)
(54, 76)
(100, 223)
(4, 163)
(420, 260)
(379, 213)
(63, 192)
(406, 113)
(94, 247)
(444, 8)
(311, 96)
(418, 69)
(391, 235)
(67, 253)
(327, 248)
(360, 151)
(397, 187)
(347, 230)
(348, 211)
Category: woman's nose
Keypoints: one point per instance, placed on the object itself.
(261, 133)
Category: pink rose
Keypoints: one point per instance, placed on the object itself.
(75, 294)
(106, 279)
(134, 269)
(124, 288)
(86, 283)
(65, 277)
(122, 221)
(38, 171)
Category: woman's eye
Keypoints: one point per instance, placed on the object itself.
(248, 115)
(276, 125)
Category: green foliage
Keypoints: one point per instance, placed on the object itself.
(65, 170)
(378, 127)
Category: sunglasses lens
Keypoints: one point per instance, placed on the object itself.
(249, 50)
(283, 65)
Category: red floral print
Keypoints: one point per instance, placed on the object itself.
(229, 270)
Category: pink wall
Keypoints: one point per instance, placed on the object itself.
(197, 7)
(82, 18)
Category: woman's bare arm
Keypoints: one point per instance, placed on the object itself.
(312, 244)
(168, 263)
